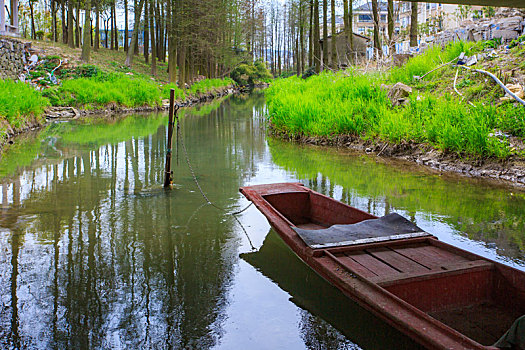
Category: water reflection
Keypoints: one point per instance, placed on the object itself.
(95, 254)
(89, 261)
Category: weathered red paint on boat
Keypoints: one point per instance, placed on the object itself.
(410, 283)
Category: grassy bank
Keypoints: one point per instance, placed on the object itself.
(123, 90)
(21, 105)
(351, 103)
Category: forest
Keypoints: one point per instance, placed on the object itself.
(209, 38)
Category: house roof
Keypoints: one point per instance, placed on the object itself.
(342, 32)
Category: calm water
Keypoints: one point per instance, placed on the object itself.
(95, 254)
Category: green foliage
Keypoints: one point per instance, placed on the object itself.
(18, 101)
(179, 94)
(337, 103)
(251, 74)
(419, 65)
(103, 90)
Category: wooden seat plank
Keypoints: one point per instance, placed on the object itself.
(373, 264)
(354, 266)
(396, 260)
(430, 256)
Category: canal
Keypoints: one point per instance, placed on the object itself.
(95, 254)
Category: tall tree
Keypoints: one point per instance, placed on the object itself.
(413, 24)
(311, 36)
(351, 24)
(70, 32)
(86, 43)
(377, 44)
(152, 34)
(134, 35)
(325, 34)
(146, 32)
(96, 43)
(126, 26)
(64, 21)
(334, 39)
(317, 44)
(390, 16)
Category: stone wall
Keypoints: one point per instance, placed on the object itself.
(13, 57)
(507, 25)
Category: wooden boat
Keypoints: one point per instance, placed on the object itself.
(441, 296)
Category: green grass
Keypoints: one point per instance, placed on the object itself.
(123, 90)
(104, 90)
(179, 94)
(19, 102)
(433, 57)
(350, 103)
(334, 104)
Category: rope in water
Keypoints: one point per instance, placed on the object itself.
(190, 167)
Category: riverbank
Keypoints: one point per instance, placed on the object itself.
(38, 113)
(427, 122)
(54, 83)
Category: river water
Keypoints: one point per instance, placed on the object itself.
(95, 254)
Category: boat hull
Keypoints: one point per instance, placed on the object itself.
(418, 285)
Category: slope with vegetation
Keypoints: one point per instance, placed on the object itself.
(355, 104)
(94, 86)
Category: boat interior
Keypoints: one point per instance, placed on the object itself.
(475, 296)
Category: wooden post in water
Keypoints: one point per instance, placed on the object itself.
(167, 170)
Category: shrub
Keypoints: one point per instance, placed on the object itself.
(251, 74)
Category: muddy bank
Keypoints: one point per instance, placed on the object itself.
(54, 113)
(510, 170)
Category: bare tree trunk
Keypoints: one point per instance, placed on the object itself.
(377, 43)
(390, 20)
(348, 30)
(153, 43)
(301, 37)
(33, 30)
(77, 25)
(54, 28)
(70, 32)
(126, 26)
(317, 44)
(413, 25)
(134, 35)
(115, 28)
(311, 36)
(351, 24)
(64, 22)
(334, 39)
(86, 38)
(96, 44)
(325, 34)
(146, 33)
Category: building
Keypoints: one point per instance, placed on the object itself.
(346, 55)
(433, 17)
(9, 18)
